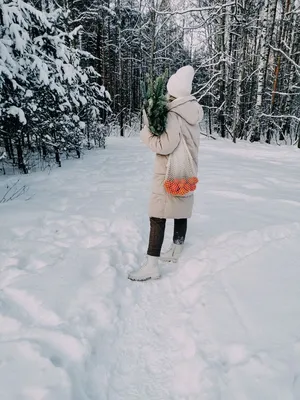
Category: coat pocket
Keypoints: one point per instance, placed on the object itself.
(158, 184)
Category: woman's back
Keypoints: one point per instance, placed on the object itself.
(188, 113)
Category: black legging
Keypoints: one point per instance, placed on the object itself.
(157, 233)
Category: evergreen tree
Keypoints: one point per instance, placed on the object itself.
(45, 85)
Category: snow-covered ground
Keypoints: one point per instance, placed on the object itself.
(223, 324)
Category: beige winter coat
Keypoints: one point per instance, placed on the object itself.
(183, 118)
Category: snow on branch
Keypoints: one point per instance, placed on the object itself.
(17, 112)
(191, 10)
(281, 116)
(212, 80)
(88, 14)
(286, 56)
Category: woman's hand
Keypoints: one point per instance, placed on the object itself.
(167, 142)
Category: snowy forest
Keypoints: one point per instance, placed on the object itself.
(70, 70)
(149, 199)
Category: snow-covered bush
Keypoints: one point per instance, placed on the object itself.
(49, 95)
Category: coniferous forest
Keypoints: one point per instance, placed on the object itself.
(71, 71)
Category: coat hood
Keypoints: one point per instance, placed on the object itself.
(187, 108)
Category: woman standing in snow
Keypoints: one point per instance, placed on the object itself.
(184, 116)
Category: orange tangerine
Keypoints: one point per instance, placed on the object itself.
(174, 187)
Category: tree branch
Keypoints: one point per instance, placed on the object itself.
(191, 10)
(281, 116)
(286, 56)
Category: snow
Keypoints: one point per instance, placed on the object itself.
(222, 324)
(2, 154)
(17, 112)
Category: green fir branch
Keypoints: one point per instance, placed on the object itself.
(155, 103)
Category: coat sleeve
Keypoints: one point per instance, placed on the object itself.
(167, 142)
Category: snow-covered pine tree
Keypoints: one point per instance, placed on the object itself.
(119, 35)
(44, 85)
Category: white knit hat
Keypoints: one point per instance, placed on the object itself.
(180, 84)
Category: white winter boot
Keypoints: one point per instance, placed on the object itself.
(148, 271)
(173, 254)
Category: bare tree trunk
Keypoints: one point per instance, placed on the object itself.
(120, 72)
(224, 74)
(239, 68)
(255, 126)
(273, 9)
(7, 148)
(153, 40)
(21, 163)
(286, 104)
(57, 156)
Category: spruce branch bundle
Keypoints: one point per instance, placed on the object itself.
(155, 103)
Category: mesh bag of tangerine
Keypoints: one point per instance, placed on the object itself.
(181, 179)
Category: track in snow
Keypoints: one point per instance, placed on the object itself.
(222, 324)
